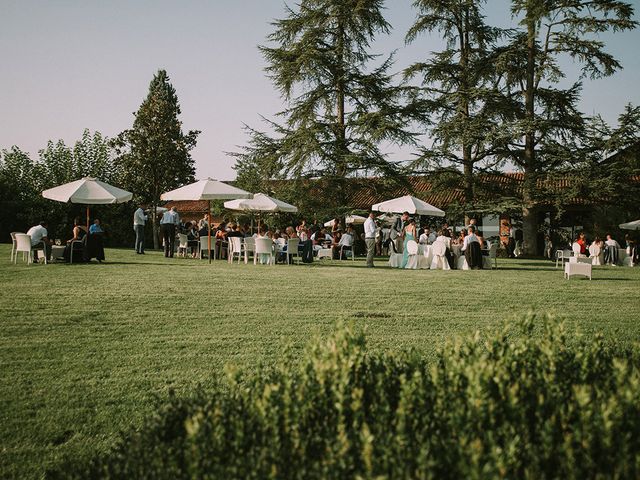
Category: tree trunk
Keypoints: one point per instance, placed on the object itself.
(463, 107)
(154, 227)
(341, 129)
(529, 217)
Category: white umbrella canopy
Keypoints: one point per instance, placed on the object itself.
(409, 204)
(88, 191)
(261, 203)
(635, 225)
(207, 189)
(349, 219)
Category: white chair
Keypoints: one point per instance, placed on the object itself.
(13, 244)
(249, 248)
(493, 255)
(204, 245)
(23, 244)
(439, 262)
(264, 250)
(575, 248)
(596, 254)
(236, 248)
(412, 255)
(578, 268)
(183, 244)
(292, 249)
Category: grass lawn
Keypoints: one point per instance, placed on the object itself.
(88, 350)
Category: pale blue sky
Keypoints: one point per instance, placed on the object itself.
(75, 64)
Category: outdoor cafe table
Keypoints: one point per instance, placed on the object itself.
(420, 261)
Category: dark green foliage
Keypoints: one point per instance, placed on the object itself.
(22, 181)
(531, 401)
(154, 155)
(545, 116)
(341, 106)
(460, 95)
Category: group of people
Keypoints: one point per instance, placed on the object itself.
(340, 240)
(81, 247)
(608, 248)
(395, 237)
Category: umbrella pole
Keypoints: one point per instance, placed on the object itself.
(87, 219)
(209, 212)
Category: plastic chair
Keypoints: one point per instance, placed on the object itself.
(13, 244)
(23, 244)
(575, 247)
(236, 248)
(439, 262)
(292, 249)
(204, 245)
(183, 244)
(264, 247)
(249, 248)
(595, 252)
(75, 242)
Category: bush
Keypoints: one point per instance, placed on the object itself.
(530, 402)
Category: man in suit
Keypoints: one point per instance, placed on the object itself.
(397, 231)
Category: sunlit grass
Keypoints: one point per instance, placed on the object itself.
(87, 350)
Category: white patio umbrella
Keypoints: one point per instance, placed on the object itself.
(207, 189)
(349, 220)
(88, 191)
(635, 225)
(409, 204)
(260, 203)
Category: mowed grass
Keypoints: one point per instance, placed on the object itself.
(89, 350)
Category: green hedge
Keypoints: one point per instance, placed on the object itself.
(531, 401)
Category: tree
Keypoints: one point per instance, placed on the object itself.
(546, 117)
(339, 108)
(459, 98)
(154, 155)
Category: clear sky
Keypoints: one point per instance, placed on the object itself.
(74, 64)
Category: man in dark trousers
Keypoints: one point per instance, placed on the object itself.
(170, 220)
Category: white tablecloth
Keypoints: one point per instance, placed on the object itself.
(420, 261)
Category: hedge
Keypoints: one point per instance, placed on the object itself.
(529, 401)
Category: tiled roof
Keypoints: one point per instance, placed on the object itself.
(367, 191)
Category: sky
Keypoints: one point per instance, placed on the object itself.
(75, 64)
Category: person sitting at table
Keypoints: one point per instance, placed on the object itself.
(39, 236)
(193, 237)
(611, 251)
(94, 244)
(235, 231)
(481, 240)
(471, 249)
(345, 243)
(426, 237)
(221, 241)
(582, 241)
(79, 233)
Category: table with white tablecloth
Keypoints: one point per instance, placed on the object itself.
(420, 261)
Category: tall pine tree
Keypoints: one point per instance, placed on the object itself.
(340, 109)
(546, 116)
(459, 97)
(154, 156)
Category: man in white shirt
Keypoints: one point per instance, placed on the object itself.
(370, 238)
(427, 238)
(471, 237)
(346, 241)
(170, 220)
(39, 236)
(611, 251)
(139, 220)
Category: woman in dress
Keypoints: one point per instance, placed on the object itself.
(409, 233)
(79, 232)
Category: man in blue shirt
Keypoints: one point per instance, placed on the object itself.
(170, 220)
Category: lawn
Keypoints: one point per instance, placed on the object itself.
(88, 350)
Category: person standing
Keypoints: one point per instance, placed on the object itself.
(139, 220)
(370, 238)
(169, 222)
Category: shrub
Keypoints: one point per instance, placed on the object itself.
(529, 402)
